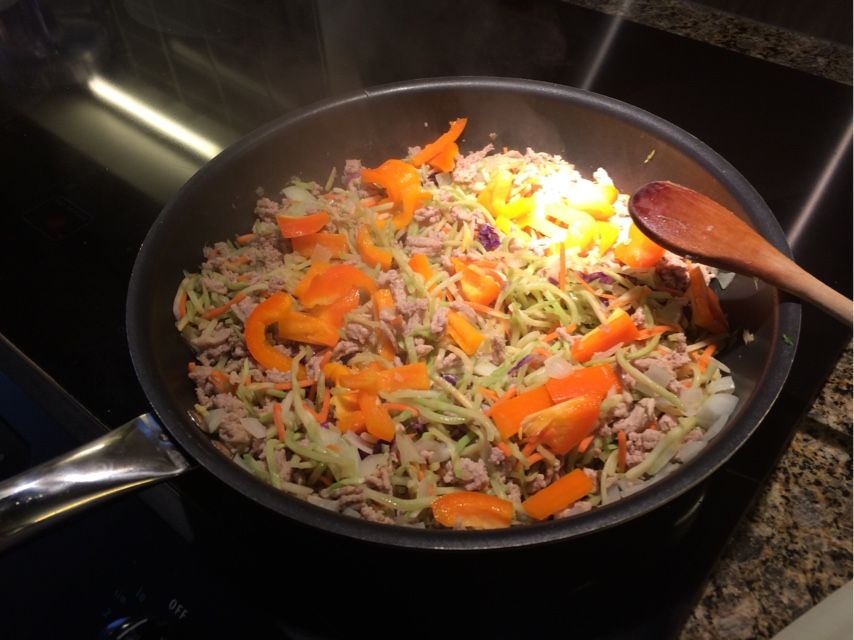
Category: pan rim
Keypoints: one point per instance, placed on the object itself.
(785, 321)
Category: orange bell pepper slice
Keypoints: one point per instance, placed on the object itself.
(639, 252)
(334, 371)
(352, 421)
(445, 159)
(335, 312)
(402, 183)
(618, 328)
(301, 327)
(559, 495)
(564, 425)
(442, 145)
(508, 414)
(465, 334)
(421, 265)
(378, 420)
(297, 226)
(268, 312)
(335, 243)
(706, 309)
(478, 286)
(370, 253)
(409, 376)
(596, 380)
(314, 270)
(472, 510)
(333, 283)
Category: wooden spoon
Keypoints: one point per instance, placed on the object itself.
(693, 225)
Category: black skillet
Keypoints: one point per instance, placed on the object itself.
(589, 130)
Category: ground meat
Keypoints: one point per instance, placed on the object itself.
(622, 408)
(639, 444)
(374, 515)
(429, 245)
(422, 348)
(639, 318)
(639, 417)
(428, 215)
(537, 482)
(497, 352)
(439, 322)
(281, 465)
(215, 285)
(358, 333)
(213, 339)
(474, 473)
(345, 496)
(672, 271)
(578, 507)
(464, 309)
(231, 431)
(266, 209)
(380, 479)
(392, 280)
(465, 169)
(344, 349)
(666, 423)
(447, 362)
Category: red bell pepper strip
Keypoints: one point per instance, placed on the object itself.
(335, 243)
(596, 380)
(333, 283)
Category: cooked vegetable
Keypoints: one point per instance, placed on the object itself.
(449, 340)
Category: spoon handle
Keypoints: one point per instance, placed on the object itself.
(778, 270)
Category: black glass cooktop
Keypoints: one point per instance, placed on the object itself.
(106, 108)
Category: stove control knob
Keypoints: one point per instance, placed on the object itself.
(134, 628)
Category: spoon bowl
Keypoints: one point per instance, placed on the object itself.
(695, 226)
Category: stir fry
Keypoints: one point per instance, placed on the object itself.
(454, 340)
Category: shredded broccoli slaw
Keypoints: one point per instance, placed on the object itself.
(436, 389)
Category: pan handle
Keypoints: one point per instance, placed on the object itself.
(133, 455)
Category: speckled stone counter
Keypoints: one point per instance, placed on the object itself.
(794, 548)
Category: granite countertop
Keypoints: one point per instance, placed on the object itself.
(794, 547)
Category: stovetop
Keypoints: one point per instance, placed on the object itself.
(86, 173)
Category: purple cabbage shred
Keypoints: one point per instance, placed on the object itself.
(597, 275)
(520, 364)
(447, 377)
(488, 237)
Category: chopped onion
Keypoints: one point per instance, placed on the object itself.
(659, 375)
(320, 254)
(214, 419)
(407, 450)
(715, 407)
(689, 450)
(692, 398)
(484, 368)
(297, 194)
(715, 428)
(254, 427)
(723, 384)
(438, 450)
(369, 464)
(354, 439)
(557, 366)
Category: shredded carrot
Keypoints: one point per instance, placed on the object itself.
(182, 304)
(550, 337)
(218, 311)
(488, 393)
(399, 406)
(534, 458)
(561, 274)
(529, 447)
(220, 381)
(482, 308)
(370, 201)
(543, 352)
(706, 357)
(324, 480)
(622, 451)
(240, 260)
(245, 239)
(585, 443)
(323, 416)
(277, 420)
(656, 330)
(287, 386)
(191, 366)
(325, 359)
(511, 392)
(310, 409)
(505, 449)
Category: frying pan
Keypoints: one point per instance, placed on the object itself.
(587, 129)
